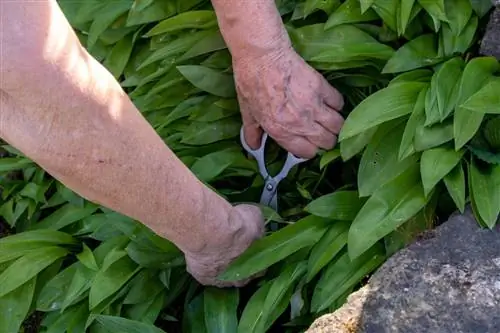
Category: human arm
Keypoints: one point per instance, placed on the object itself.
(66, 112)
(277, 90)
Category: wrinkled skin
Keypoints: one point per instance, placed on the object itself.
(246, 224)
(284, 96)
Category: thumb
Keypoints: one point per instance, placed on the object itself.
(251, 130)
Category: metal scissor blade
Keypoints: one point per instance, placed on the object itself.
(269, 193)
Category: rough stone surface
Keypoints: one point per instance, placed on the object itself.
(490, 44)
(447, 283)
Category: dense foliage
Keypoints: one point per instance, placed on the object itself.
(421, 139)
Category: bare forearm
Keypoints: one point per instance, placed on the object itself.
(74, 120)
(251, 27)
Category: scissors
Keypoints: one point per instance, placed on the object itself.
(269, 195)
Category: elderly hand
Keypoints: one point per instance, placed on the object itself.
(245, 225)
(282, 95)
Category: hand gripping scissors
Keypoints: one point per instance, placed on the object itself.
(269, 195)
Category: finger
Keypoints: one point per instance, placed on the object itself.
(321, 137)
(299, 146)
(332, 97)
(251, 130)
(330, 119)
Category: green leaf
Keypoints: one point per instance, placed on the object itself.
(339, 205)
(432, 136)
(196, 19)
(485, 186)
(436, 163)
(328, 158)
(86, 257)
(332, 242)
(116, 271)
(366, 4)
(417, 53)
(14, 163)
(104, 18)
(406, 10)
(27, 267)
(124, 325)
(458, 13)
(53, 293)
(350, 12)
(209, 80)
(203, 133)
(119, 56)
(343, 274)
(194, 316)
(419, 75)
(481, 7)
(379, 163)
(417, 117)
(79, 287)
(269, 250)
(252, 316)
(387, 209)
(144, 287)
(386, 104)
(65, 216)
(15, 306)
(441, 98)
(486, 100)
(455, 184)
(352, 146)
(212, 165)
(477, 72)
(221, 309)
(435, 8)
(17, 245)
(388, 11)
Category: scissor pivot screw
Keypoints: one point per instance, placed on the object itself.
(269, 187)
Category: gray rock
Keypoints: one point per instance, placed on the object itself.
(446, 283)
(490, 44)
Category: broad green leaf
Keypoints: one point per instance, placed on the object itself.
(379, 163)
(112, 276)
(477, 72)
(276, 247)
(350, 12)
(212, 165)
(427, 137)
(194, 316)
(144, 287)
(71, 320)
(14, 163)
(366, 4)
(406, 8)
(332, 242)
(417, 53)
(455, 184)
(348, 52)
(252, 316)
(86, 257)
(436, 163)
(148, 311)
(387, 209)
(15, 307)
(27, 267)
(119, 56)
(435, 8)
(328, 158)
(327, 6)
(407, 148)
(65, 216)
(443, 93)
(196, 19)
(202, 133)
(124, 325)
(279, 292)
(208, 44)
(338, 205)
(209, 80)
(154, 12)
(354, 145)
(388, 10)
(105, 18)
(458, 13)
(419, 75)
(182, 110)
(14, 246)
(343, 274)
(485, 186)
(220, 307)
(53, 293)
(79, 287)
(386, 104)
(481, 7)
(486, 99)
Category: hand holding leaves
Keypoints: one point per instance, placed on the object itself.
(282, 95)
